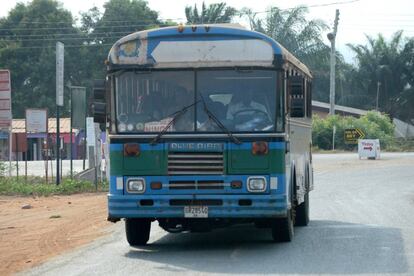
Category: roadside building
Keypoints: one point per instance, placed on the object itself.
(37, 143)
(322, 110)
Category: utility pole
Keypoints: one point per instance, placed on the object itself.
(378, 89)
(332, 37)
(59, 101)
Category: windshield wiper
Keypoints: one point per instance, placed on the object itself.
(218, 123)
(175, 115)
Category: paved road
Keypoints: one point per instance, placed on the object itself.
(362, 223)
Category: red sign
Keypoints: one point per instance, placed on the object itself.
(5, 99)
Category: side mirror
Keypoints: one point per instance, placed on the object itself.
(297, 96)
(99, 102)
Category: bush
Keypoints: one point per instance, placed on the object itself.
(373, 124)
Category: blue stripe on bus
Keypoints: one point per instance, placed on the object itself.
(262, 206)
(225, 178)
(281, 187)
(231, 146)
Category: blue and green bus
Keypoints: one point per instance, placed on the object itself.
(208, 126)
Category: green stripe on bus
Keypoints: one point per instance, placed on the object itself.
(236, 162)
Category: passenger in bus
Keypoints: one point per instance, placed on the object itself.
(182, 98)
(218, 109)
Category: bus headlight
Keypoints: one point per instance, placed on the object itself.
(256, 184)
(136, 185)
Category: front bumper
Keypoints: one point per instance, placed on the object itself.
(262, 206)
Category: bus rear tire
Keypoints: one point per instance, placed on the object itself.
(302, 212)
(137, 231)
(283, 228)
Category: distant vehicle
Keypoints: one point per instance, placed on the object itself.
(208, 125)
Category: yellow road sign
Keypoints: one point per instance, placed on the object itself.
(351, 135)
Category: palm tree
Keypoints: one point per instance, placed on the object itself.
(291, 29)
(301, 37)
(381, 69)
(214, 13)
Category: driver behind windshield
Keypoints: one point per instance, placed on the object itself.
(244, 102)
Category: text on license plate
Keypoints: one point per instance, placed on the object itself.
(195, 211)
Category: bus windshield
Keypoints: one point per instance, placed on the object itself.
(241, 100)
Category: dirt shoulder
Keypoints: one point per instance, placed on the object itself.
(50, 227)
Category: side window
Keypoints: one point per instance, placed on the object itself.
(287, 97)
(308, 99)
(280, 101)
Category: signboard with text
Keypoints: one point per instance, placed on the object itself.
(351, 135)
(36, 120)
(369, 148)
(5, 99)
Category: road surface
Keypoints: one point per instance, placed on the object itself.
(362, 222)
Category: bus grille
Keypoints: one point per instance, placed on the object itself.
(193, 163)
(197, 185)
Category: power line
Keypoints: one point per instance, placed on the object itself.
(54, 46)
(64, 34)
(164, 20)
(314, 6)
(333, 3)
(71, 28)
(62, 39)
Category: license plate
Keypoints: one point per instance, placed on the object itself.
(195, 211)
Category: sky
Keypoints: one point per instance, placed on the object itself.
(357, 17)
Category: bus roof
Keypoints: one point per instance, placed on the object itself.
(215, 45)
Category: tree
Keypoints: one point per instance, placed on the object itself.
(405, 100)
(214, 13)
(382, 68)
(27, 46)
(120, 18)
(27, 39)
(301, 37)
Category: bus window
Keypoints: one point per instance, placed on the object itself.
(147, 102)
(241, 100)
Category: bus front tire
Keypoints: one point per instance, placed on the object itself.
(283, 228)
(137, 231)
(302, 212)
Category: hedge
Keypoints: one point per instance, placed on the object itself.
(373, 124)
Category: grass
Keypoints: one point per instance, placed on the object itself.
(36, 186)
